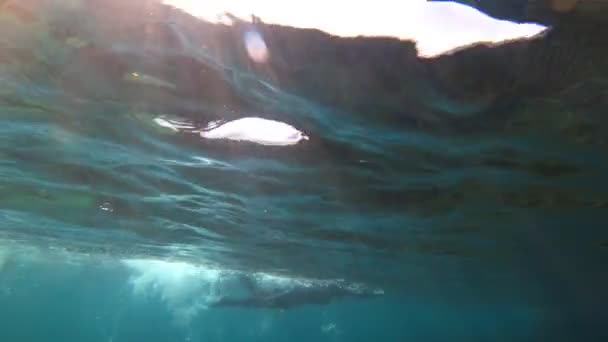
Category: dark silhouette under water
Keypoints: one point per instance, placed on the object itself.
(259, 296)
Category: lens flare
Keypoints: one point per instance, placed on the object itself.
(256, 47)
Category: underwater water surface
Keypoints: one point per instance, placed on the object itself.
(141, 202)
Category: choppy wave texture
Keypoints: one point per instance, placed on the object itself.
(500, 206)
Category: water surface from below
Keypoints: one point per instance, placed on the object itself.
(136, 206)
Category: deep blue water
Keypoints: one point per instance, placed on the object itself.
(114, 228)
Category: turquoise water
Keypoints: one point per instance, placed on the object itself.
(115, 228)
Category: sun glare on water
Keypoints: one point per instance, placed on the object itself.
(436, 27)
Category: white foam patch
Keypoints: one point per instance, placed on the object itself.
(172, 124)
(17, 254)
(184, 288)
(270, 280)
(329, 328)
(251, 129)
(199, 161)
(256, 130)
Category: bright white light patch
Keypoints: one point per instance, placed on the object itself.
(256, 47)
(257, 130)
(173, 125)
(436, 27)
(185, 288)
